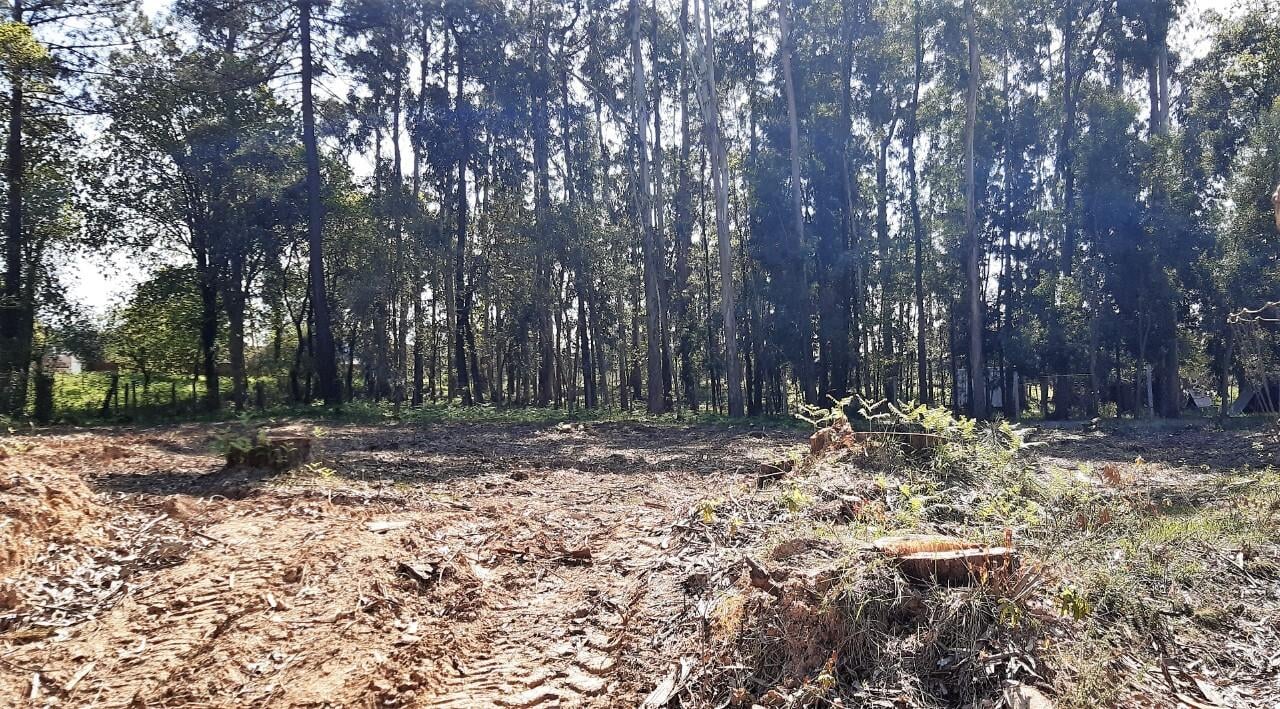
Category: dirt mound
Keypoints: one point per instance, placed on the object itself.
(39, 503)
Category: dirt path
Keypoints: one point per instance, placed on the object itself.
(450, 565)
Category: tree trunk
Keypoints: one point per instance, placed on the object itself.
(15, 327)
(543, 298)
(640, 117)
(720, 184)
(325, 365)
(659, 216)
(684, 230)
(799, 285)
(235, 308)
(419, 333)
(462, 315)
(977, 367)
(890, 369)
(208, 289)
(924, 391)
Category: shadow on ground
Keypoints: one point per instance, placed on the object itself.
(414, 454)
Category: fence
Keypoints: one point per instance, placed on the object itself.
(95, 395)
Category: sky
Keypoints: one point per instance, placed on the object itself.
(97, 282)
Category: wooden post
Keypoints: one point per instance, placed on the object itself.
(1150, 400)
(111, 394)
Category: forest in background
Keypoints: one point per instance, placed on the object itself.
(677, 205)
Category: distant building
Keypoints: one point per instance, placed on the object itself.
(62, 363)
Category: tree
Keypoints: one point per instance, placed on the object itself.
(720, 179)
(977, 366)
(156, 330)
(326, 365)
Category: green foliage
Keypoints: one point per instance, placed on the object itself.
(1072, 602)
(823, 416)
(793, 499)
(157, 330)
(20, 51)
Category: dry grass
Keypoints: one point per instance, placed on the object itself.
(1128, 593)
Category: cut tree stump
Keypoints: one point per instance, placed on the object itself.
(772, 472)
(916, 543)
(278, 453)
(958, 566)
(947, 560)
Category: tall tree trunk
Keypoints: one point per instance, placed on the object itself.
(325, 365)
(844, 355)
(543, 298)
(684, 230)
(419, 334)
(208, 287)
(977, 367)
(15, 328)
(234, 305)
(462, 315)
(924, 391)
(397, 281)
(890, 369)
(752, 288)
(659, 214)
(720, 184)
(799, 285)
(652, 260)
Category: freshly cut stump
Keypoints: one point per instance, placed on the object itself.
(959, 566)
(946, 560)
(278, 453)
(915, 543)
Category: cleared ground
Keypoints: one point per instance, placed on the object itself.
(495, 564)
(441, 565)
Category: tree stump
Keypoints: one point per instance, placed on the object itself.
(958, 566)
(946, 560)
(913, 441)
(276, 453)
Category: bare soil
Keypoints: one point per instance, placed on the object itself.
(465, 565)
(437, 565)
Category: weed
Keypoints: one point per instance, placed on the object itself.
(1072, 603)
(707, 511)
(793, 499)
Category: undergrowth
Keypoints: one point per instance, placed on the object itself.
(1121, 582)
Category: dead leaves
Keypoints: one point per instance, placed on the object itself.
(386, 525)
(670, 685)
(1092, 522)
(1110, 474)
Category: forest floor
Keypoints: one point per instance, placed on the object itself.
(617, 563)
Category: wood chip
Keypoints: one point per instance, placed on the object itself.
(79, 675)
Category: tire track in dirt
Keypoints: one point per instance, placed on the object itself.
(558, 638)
(538, 565)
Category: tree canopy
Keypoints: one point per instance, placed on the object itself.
(732, 207)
